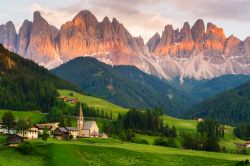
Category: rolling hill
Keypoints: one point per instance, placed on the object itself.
(94, 102)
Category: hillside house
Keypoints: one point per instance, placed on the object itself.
(31, 133)
(69, 100)
(73, 100)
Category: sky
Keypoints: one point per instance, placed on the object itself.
(141, 17)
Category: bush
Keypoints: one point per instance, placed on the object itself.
(140, 141)
(170, 142)
(246, 162)
(26, 148)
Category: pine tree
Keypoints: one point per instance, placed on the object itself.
(8, 120)
(62, 122)
(68, 122)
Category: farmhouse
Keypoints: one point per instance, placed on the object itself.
(65, 132)
(50, 127)
(61, 133)
(32, 133)
(69, 100)
(88, 128)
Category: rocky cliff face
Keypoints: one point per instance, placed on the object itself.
(194, 52)
(186, 52)
(41, 46)
(8, 36)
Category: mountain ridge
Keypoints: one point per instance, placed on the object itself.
(191, 52)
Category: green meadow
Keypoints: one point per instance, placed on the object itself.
(95, 102)
(98, 151)
(34, 116)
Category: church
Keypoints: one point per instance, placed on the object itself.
(86, 128)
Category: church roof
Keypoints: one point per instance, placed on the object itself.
(88, 125)
(71, 128)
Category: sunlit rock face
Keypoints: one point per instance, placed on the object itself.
(199, 53)
(41, 46)
(24, 37)
(191, 51)
(214, 40)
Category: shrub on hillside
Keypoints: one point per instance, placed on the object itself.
(140, 141)
(26, 148)
(169, 142)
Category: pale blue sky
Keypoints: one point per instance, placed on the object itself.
(141, 17)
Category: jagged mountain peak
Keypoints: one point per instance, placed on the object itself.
(191, 51)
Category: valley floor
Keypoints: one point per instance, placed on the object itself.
(97, 151)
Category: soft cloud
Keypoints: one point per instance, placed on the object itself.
(237, 10)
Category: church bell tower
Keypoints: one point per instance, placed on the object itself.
(80, 121)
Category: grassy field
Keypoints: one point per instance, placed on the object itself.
(95, 102)
(180, 124)
(97, 151)
(34, 116)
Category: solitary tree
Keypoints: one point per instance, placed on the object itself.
(45, 135)
(23, 125)
(8, 120)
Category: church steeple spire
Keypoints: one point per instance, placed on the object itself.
(80, 121)
(80, 112)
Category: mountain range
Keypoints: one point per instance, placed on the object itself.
(197, 52)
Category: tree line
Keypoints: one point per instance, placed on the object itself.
(207, 137)
(139, 121)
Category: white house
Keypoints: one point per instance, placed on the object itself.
(32, 133)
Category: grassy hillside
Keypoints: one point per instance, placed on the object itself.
(180, 124)
(34, 116)
(95, 102)
(113, 152)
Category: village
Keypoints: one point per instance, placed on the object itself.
(84, 129)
